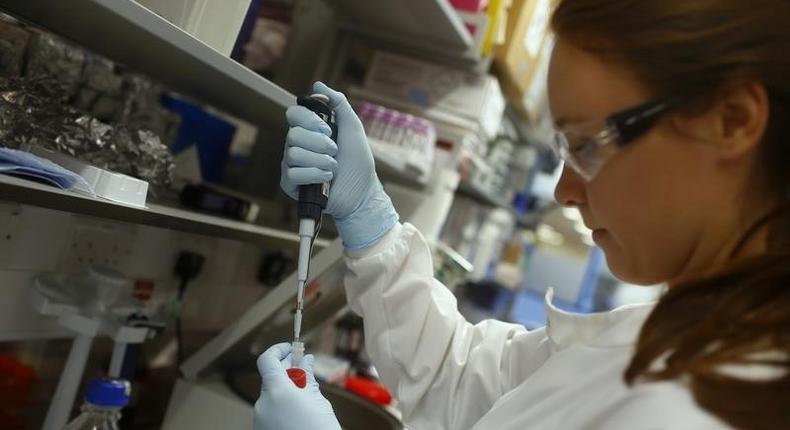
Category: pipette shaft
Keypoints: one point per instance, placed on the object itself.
(313, 199)
(306, 232)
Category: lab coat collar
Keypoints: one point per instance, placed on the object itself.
(616, 328)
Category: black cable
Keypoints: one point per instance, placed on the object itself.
(182, 287)
(188, 267)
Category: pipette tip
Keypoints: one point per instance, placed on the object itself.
(297, 353)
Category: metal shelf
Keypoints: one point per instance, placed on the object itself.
(395, 169)
(32, 193)
(467, 189)
(131, 35)
(425, 23)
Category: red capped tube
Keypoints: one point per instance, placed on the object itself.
(298, 376)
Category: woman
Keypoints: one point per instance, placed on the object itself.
(673, 121)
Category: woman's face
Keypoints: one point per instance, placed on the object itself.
(661, 205)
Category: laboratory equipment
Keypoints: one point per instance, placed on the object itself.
(427, 88)
(362, 212)
(88, 304)
(312, 201)
(208, 198)
(400, 140)
(104, 399)
(398, 128)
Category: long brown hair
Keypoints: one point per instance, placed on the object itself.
(741, 315)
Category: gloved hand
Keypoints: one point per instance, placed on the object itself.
(363, 213)
(284, 406)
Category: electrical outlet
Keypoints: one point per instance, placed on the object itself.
(105, 245)
(9, 224)
(203, 245)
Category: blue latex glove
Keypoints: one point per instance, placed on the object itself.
(284, 406)
(363, 213)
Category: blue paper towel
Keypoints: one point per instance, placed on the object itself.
(24, 164)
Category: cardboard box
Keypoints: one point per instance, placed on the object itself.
(467, 95)
(519, 60)
(469, 5)
(534, 102)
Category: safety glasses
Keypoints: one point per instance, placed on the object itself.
(586, 148)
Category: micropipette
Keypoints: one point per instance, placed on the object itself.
(312, 202)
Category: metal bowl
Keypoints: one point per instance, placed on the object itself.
(353, 412)
(356, 413)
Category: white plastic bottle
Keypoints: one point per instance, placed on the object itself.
(497, 228)
(104, 400)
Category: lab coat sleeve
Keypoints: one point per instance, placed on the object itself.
(445, 372)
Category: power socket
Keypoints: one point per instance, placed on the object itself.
(9, 224)
(105, 245)
(203, 245)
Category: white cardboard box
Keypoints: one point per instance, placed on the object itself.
(215, 23)
(108, 185)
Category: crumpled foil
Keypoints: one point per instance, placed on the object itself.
(51, 56)
(14, 41)
(100, 91)
(33, 111)
(142, 108)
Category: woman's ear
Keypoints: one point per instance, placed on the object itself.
(733, 123)
(740, 117)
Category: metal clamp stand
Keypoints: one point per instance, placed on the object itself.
(86, 328)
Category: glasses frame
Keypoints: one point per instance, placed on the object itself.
(620, 129)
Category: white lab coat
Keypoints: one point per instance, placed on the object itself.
(450, 374)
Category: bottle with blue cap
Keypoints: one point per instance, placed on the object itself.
(104, 400)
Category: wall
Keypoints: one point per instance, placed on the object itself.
(35, 240)
(561, 271)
